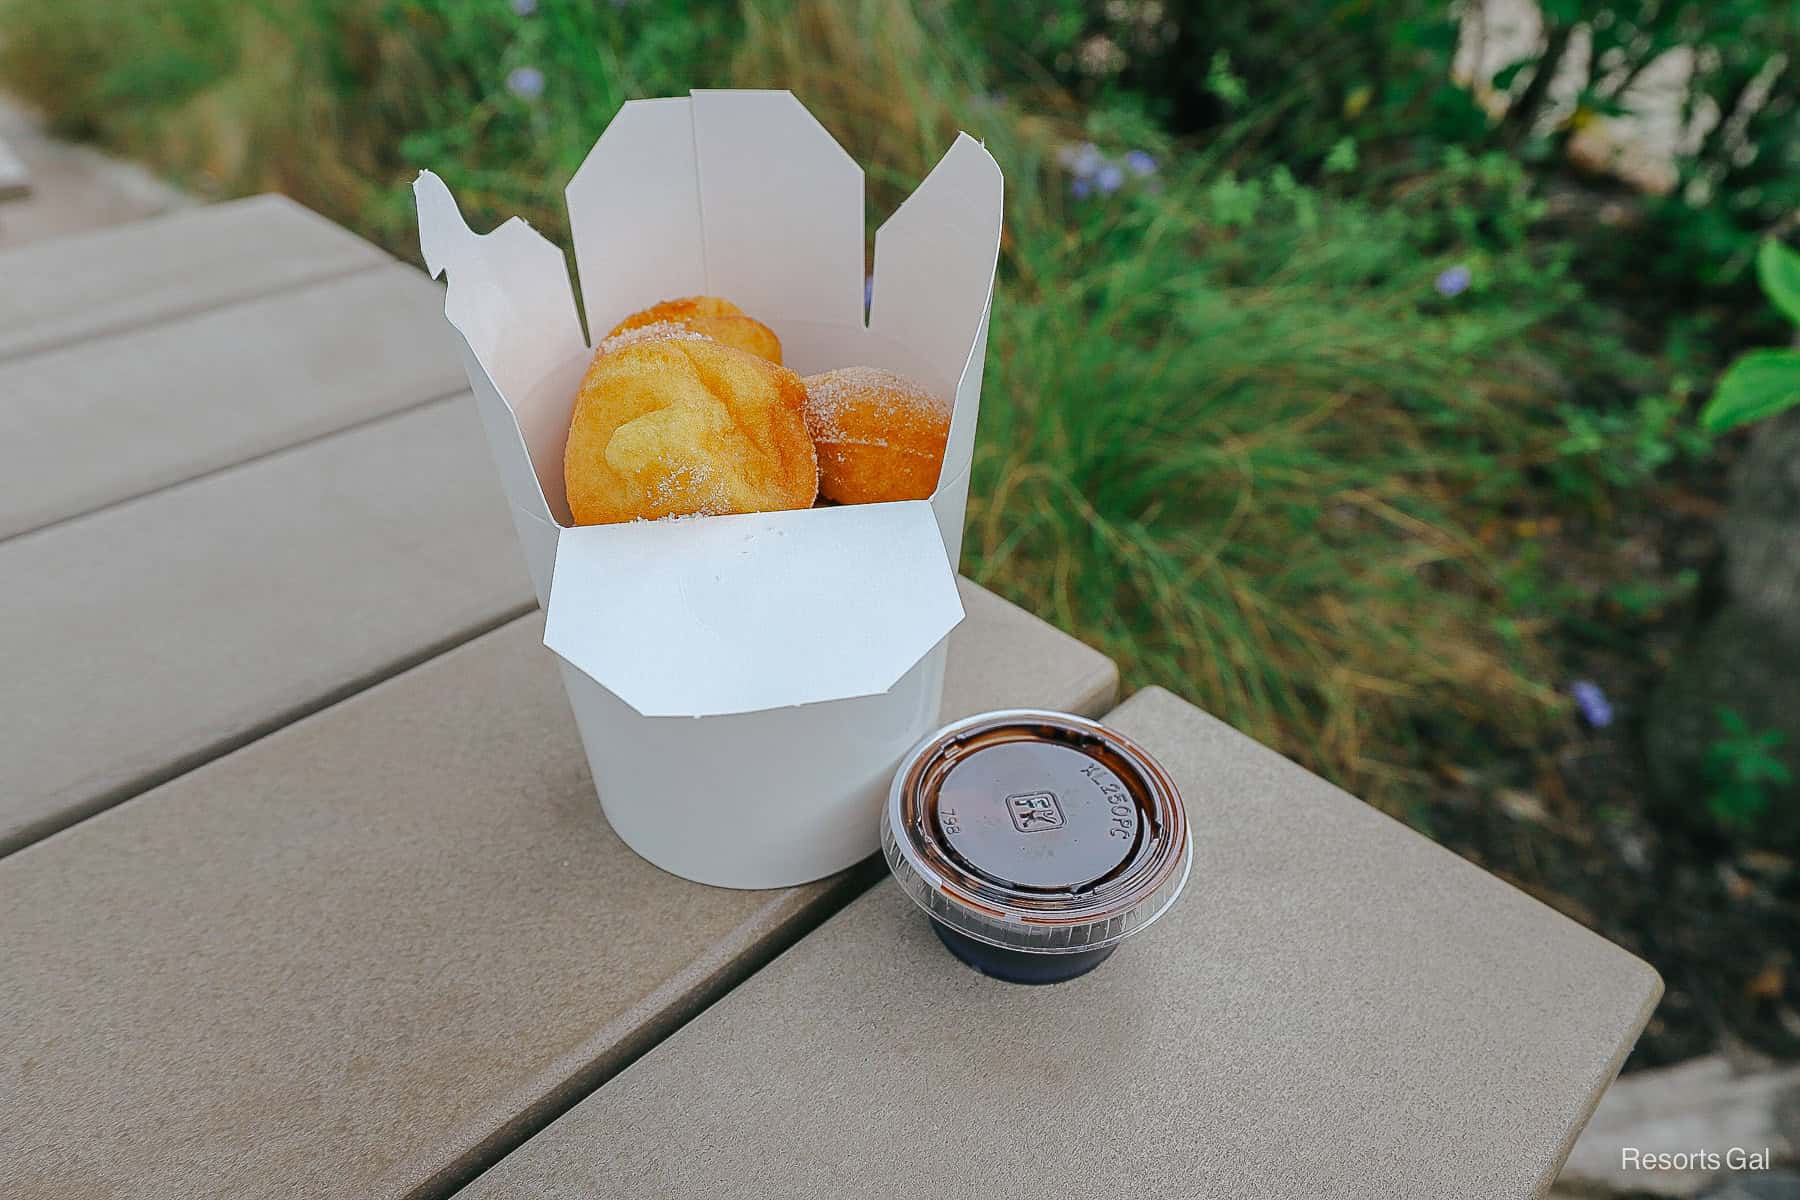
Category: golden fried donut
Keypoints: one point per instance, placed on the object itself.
(720, 320)
(682, 425)
(879, 436)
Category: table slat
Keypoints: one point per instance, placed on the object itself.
(147, 637)
(1337, 1007)
(71, 289)
(88, 425)
(359, 956)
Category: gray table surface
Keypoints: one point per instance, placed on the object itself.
(158, 633)
(195, 548)
(363, 954)
(75, 289)
(1337, 1007)
(102, 421)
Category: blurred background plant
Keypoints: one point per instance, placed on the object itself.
(1741, 768)
(1762, 383)
(1332, 383)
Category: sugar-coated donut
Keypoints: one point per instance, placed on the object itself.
(720, 320)
(879, 435)
(680, 425)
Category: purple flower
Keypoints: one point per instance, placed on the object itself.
(1108, 178)
(524, 8)
(1080, 189)
(1454, 281)
(1594, 706)
(1140, 163)
(1082, 161)
(868, 294)
(527, 83)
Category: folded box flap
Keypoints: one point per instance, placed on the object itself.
(740, 194)
(509, 293)
(634, 213)
(781, 205)
(509, 297)
(934, 274)
(717, 615)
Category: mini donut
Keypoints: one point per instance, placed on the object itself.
(682, 425)
(879, 436)
(720, 320)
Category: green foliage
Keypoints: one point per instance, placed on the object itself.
(192, 56)
(1762, 383)
(1488, 204)
(1740, 176)
(1229, 89)
(179, 49)
(593, 58)
(1370, 70)
(1381, 76)
(1625, 447)
(1646, 599)
(447, 76)
(1778, 270)
(1272, 508)
(1743, 180)
(1341, 158)
(1741, 768)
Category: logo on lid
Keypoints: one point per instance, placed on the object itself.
(1032, 811)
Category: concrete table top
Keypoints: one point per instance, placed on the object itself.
(155, 634)
(366, 954)
(1336, 1008)
(77, 288)
(166, 596)
(105, 420)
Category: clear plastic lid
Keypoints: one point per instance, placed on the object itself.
(1036, 831)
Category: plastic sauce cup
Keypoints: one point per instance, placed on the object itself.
(1036, 841)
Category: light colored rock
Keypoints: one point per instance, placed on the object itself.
(1776, 1185)
(15, 179)
(1702, 1105)
(1638, 147)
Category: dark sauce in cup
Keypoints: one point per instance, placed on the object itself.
(1036, 841)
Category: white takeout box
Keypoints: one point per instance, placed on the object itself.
(744, 685)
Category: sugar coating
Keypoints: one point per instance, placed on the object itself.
(878, 393)
(691, 483)
(656, 331)
(670, 422)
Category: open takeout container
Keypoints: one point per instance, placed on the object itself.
(744, 685)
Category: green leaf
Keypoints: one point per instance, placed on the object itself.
(1228, 87)
(1504, 77)
(1761, 383)
(1341, 158)
(1778, 268)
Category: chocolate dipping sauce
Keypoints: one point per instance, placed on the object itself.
(1036, 841)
